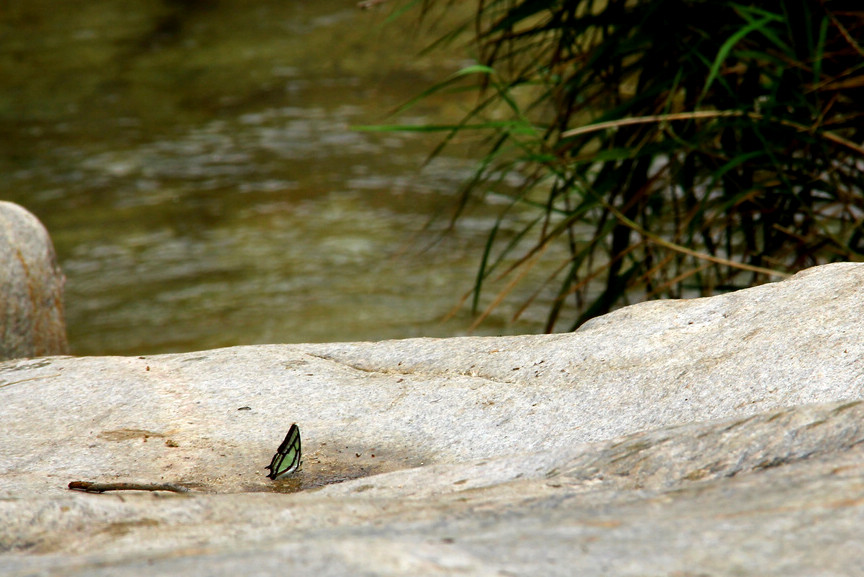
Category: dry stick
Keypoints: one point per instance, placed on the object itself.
(536, 293)
(704, 114)
(662, 118)
(684, 275)
(696, 254)
(527, 266)
(649, 119)
(689, 116)
(91, 487)
(846, 34)
(452, 313)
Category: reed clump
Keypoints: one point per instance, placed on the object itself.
(673, 147)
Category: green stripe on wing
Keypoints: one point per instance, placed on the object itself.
(287, 458)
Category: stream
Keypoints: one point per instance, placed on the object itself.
(196, 165)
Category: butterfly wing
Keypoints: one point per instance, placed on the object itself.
(287, 457)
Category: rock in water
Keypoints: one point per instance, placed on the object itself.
(31, 288)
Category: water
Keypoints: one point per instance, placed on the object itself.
(195, 164)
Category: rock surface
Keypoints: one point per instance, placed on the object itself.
(31, 288)
(718, 436)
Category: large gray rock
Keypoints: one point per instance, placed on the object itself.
(717, 436)
(31, 288)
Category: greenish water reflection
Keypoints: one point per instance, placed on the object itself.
(194, 164)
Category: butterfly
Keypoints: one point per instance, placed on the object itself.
(287, 457)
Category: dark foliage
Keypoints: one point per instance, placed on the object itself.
(706, 145)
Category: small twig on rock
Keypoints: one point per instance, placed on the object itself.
(91, 487)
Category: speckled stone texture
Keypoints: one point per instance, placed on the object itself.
(719, 436)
